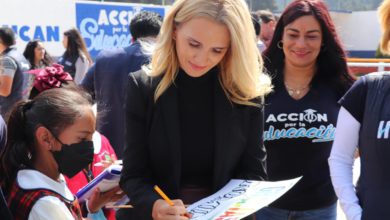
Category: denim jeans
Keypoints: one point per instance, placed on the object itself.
(327, 213)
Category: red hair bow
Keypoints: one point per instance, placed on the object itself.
(50, 77)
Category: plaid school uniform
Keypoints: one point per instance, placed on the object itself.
(21, 201)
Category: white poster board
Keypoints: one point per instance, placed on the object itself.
(239, 198)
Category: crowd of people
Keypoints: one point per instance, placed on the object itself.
(256, 96)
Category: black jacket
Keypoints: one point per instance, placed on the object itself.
(152, 154)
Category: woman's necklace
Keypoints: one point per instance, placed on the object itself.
(296, 92)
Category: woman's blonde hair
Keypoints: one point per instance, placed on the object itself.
(241, 72)
(384, 19)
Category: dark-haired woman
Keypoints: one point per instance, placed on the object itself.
(76, 59)
(37, 55)
(310, 75)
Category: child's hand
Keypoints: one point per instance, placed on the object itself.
(99, 199)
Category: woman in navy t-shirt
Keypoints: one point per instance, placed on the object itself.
(310, 75)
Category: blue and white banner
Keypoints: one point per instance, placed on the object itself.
(39, 19)
(106, 26)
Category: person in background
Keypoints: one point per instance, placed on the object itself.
(257, 25)
(48, 135)
(310, 73)
(199, 100)
(106, 80)
(76, 59)
(104, 155)
(268, 24)
(12, 68)
(364, 124)
(37, 55)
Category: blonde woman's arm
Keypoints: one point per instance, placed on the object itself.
(341, 163)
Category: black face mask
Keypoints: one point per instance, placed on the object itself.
(74, 158)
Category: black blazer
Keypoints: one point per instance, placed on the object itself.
(152, 154)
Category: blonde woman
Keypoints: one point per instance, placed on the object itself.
(195, 117)
(364, 123)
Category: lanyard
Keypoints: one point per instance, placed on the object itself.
(88, 173)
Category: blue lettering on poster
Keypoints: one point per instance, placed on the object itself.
(107, 26)
(43, 33)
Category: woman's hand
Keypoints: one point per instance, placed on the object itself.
(163, 211)
(99, 199)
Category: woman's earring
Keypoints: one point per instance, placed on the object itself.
(280, 44)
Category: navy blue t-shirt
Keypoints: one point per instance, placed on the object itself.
(298, 137)
(369, 102)
(353, 101)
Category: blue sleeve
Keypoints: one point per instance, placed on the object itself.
(88, 83)
(354, 100)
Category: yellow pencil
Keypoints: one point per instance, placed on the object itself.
(162, 194)
(165, 197)
(119, 206)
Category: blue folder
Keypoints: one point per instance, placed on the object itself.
(106, 180)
